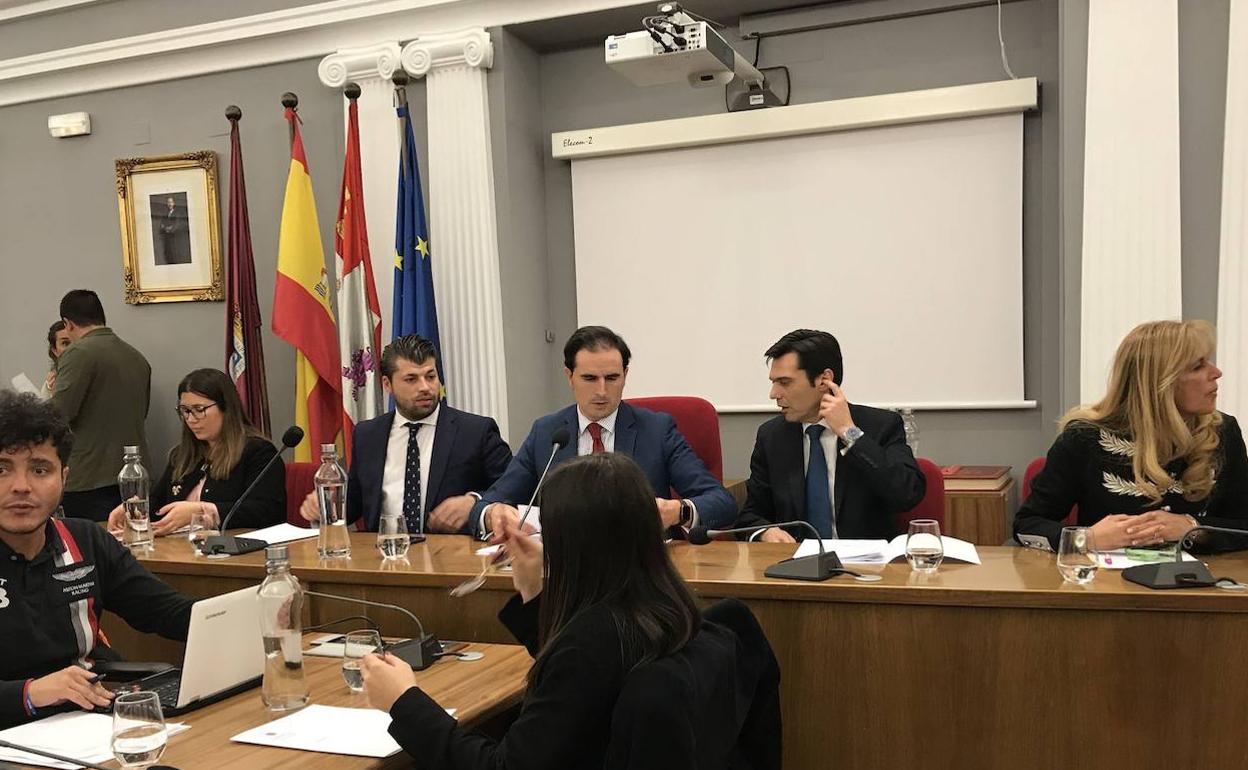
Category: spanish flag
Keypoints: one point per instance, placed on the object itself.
(301, 311)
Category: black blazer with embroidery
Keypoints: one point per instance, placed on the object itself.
(264, 507)
(1091, 468)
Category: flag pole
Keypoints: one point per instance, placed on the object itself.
(291, 102)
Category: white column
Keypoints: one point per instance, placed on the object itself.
(1131, 249)
(371, 68)
(463, 230)
(1233, 264)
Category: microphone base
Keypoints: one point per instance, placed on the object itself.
(820, 566)
(420, 653)
(1170, 574)
(230, 546)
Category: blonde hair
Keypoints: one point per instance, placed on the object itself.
(1140, 402)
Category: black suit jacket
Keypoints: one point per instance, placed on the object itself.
(876, 480)
(265, 506)
(469, 455)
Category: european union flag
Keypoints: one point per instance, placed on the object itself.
(414, 308)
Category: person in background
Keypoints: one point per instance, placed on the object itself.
(58, 340)
(219, 455)
(1153, 458)
(104, 389)
(58, 576)
(843, 467)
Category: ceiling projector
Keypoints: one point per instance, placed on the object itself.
(674, 47)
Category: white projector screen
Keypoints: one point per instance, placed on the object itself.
(903, 241)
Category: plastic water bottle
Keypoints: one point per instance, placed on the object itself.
(285, 686)
(912, 430)
(333, 540)
(135, 486)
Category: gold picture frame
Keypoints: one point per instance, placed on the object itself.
(170, 228)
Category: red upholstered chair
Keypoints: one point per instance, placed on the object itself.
(1033, 468)
(298, 485)
(932, 506)
(698, 421)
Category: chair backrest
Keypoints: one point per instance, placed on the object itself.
(713, 704)
(298, 484)
(932, 506)
(697, 421)
(1033, 469)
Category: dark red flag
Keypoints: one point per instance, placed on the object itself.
(244, 351)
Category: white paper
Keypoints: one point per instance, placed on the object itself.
(22, 384)
(881, 551)
(1119, 560)
(84, 736)
(281, 533)
(330, 730)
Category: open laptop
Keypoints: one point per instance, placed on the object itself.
(224, 654)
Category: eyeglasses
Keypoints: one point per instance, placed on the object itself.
(187, 412)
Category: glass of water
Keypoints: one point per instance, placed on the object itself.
(203, 526)
(356, 645)
(392, 537)
(1076, 555)
(924, 548)
(139, 734)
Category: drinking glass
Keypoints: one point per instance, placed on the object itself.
(139, 734)
(203, 526)
(356, 645)
(1076, 555)
(924, 549)
(392, 537)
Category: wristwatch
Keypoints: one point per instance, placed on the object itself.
(686, 513)
(853, 434)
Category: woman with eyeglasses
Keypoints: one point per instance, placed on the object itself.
(220, 454)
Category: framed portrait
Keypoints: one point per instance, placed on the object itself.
(170, 228)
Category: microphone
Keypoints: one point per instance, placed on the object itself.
(68, 760)
(235, 546)
(419, 653)
(558, 441)
(820, 566)
(1179, 573)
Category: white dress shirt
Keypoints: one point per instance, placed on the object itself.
(585, 442)
(396, 461)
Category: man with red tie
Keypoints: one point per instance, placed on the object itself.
(595, 362)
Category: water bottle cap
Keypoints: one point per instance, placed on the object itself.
(130, 450)
(277, 553)
(328, 448)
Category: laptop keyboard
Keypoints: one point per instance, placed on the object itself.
(166, 685)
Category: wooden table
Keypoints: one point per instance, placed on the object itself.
(477, 690)
(992, 666)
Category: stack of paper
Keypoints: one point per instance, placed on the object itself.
(329, 730)
(81, 735)
(1120, 560)
(281, 533)
(884, 551)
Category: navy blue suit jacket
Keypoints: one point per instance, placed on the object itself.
(650, 438)
(469, 455)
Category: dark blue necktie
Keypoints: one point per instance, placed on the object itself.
(818, 504)
(411, 482)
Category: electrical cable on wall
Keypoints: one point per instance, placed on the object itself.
(1005, 60)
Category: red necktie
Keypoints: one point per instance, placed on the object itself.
(595, 432)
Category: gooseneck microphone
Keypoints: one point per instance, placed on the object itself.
(419, 653)
(224, 545)
(68, 760)
(558, 441)
(820, 566)
(1183, 574)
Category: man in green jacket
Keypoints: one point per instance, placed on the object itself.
(103, 388)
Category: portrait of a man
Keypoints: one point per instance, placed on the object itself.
(171, 235)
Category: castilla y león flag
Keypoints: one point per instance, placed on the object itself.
(301, 311)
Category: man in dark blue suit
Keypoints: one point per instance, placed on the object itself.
(425, 460)
(595, 361)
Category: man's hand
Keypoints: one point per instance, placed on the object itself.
(74, 684)
(776, 535)
(669, 512)
(310, 510)
(1163, 524)
(117, 522)
(385, 679)
(834, 409)
(450, 514)
(497, 518)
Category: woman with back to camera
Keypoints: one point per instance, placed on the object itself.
(589, 608)
(219, 455)
(58, 340)
(1153, 458)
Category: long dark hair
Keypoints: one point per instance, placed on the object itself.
(215, 385)
(603, 547)
(54, 330)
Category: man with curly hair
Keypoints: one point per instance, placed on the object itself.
(57, 576)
